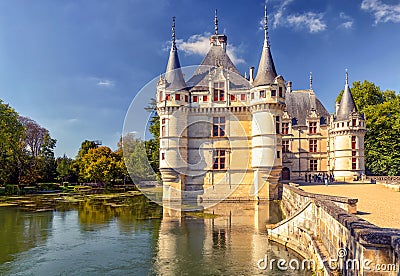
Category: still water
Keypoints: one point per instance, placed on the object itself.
(143, 239)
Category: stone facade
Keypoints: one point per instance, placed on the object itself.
(226, 136)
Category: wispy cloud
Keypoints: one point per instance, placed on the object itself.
(311, 21)
(199, 44)
(105, 83)
(382, 12)
(347, 21)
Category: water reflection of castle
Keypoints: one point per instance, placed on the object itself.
(229, 240)
(219, 128)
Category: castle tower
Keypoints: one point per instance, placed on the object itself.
(172, 97)
(267, 102)
(347, 143)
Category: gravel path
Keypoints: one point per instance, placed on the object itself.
(376, 203)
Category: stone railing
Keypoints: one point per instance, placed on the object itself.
(321, 228)
(384, 179)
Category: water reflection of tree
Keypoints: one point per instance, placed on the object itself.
(95, 214)
(21, 231)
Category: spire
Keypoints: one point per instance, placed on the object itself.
(216, 22)
(173, 73)
(347, 105)
(266, 69)
(311, 81)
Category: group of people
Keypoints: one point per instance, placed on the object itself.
(320, 178)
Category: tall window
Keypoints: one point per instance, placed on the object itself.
(280, 92)
(313, 145)
(186, 98)
(285, 146)
(163, 127)
(177, 97)
(219, 159)
(252, 95)
(312, 127)
(354, 122)
(278, 125)
(354, 163)
(219, 91)
(313, 165)
(353, 142)
(262, 94)
(285, 128)
(273, 93)
(218, 126)
(195, 99)
(205, 98)
(242, 97)
(161, 96)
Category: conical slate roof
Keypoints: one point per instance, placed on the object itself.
(266, 72)
(173, 73)
(347, 105)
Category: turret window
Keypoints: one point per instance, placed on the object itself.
(218, 126)
(280, 92)
(161, 96)
(278, 125)
(163, 127)
(354, 122)
(353, 142)
(354, 163)
(219, 91)
(219, 159)
(285, 128)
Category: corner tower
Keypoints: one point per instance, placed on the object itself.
(267, 103)
(347, 130)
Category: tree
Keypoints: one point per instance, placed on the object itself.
(101, 165)
(64, 169)
(153, 144)
(11, 137)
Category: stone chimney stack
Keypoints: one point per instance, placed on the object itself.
(289, 87)
(251, 74)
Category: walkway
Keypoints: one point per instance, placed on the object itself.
(376, 203)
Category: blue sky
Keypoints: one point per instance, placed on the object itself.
(75, 66)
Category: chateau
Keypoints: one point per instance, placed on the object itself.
(228, 136)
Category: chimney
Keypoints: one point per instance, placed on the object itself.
(251, 74)
(337, 105)
(289, 87)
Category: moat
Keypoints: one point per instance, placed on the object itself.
(138, 238)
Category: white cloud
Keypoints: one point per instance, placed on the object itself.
(312, 21)
(347, 21)
(382, 12)
(199, 44)
(105, 83)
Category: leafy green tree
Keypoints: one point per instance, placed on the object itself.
(11, 137)
(153, 144)
(64, 169)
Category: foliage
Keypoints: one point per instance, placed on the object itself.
(382, 140)
(153, 144)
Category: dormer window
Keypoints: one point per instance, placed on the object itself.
(195, 99)
(177, 97)
(219, 91)
(205, 98)
(167, 97)
(285, 128)
(233, 98)
(312, 127)
(262, 94)
(243, 97)
(273, 93)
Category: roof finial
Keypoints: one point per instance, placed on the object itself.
(173, 33)
(266, 25)
(311, 81)
(216, 22)
(347, 77)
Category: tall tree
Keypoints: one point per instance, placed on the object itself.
(153, 144)
(11, 137)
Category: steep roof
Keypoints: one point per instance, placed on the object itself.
(347, 105)
(300, 103)
(266, 72)
(173, 73)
